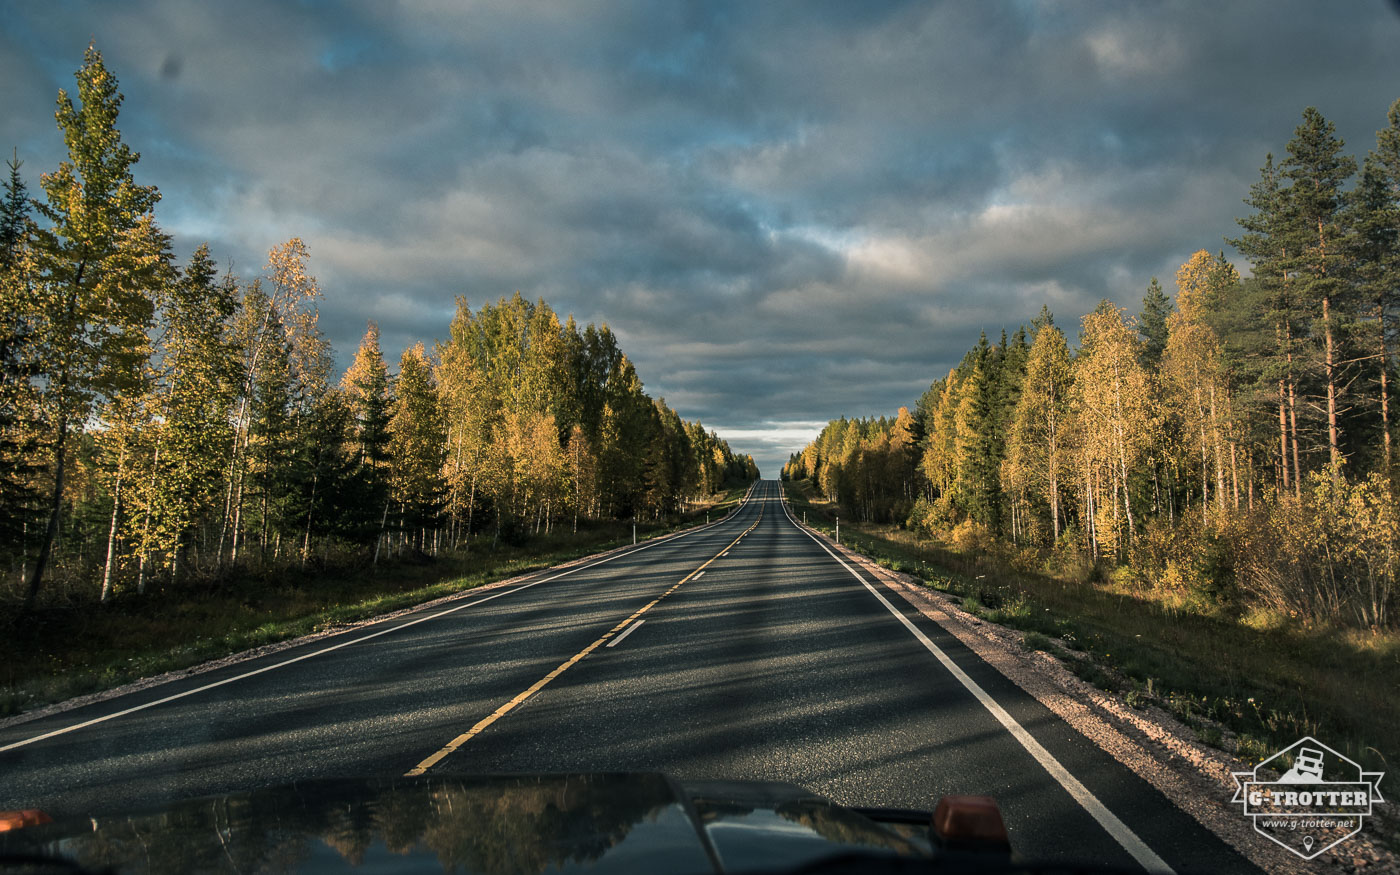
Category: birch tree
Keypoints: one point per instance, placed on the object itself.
(96, 257)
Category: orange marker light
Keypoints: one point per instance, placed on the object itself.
(19, 819)
(970, 823)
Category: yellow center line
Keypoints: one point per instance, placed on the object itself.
(538, 685)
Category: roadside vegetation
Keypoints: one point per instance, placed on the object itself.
(1205, 496)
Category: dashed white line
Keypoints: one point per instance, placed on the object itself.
(629, 630)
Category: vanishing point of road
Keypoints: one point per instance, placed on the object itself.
(741, 650)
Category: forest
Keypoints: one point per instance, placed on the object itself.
(164, 423)
(1229, 451)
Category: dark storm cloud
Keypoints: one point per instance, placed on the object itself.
(788, 212)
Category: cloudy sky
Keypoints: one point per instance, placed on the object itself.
(787, 211)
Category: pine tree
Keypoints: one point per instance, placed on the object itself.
(1315, 238)
(1266, 243)
(1376, 222)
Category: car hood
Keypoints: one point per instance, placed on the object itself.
(605, 822)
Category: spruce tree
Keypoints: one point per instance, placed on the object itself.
(17, 414)
(14, 214)
(1152, 324)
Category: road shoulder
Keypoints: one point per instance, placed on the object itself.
(1150, 742)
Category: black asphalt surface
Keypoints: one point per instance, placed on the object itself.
(774, 664)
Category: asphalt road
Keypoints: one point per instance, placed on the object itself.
(770, 660)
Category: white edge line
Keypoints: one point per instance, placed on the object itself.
(1116, 828)
(625, 632)
(63, 730)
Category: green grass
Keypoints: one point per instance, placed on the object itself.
(65, 650)
(1269, 680)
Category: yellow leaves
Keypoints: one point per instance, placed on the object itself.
(1192, 280)
(286, 268)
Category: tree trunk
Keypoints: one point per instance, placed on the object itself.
(471, 505)
(1385, 396)
(41, 562)
(1219, 453)
(1235, 473)
(310, 509)
(175, 557)
(237, 476)
(146, 526)
(1127, 502)
(1054, 487)
(1334, 453)
(1089, 518)
(112, 529)
(383, 525)
(262, 539)
(237, 517)
(1293, 436)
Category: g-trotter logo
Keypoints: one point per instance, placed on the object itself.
(1320, 801)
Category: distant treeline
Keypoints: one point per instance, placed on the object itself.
(1234, 450)
(162, 422)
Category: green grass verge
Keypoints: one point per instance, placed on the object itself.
(1266, 680)
(59, 652)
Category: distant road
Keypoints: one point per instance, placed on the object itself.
(770, 660)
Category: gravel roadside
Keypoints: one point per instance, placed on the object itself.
(1147, 739)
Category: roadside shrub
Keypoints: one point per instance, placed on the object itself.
(1161, 555)
(1037, 641)
(1332, 557)
(1215, 587)
(971, 537)
(1120, 578)
(1069, 560)
(1028, 560)
(922, 517)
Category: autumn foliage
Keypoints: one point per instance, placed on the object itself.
(163, 424)
(1232, 453)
